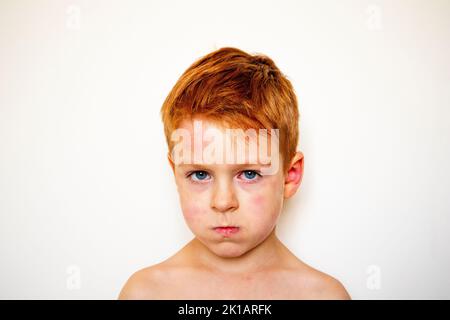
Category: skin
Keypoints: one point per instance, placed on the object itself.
(251, 264)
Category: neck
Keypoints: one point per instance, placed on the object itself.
(264, 256)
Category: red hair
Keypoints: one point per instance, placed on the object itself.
(239, 90)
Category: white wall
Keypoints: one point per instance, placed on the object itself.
(84, 184)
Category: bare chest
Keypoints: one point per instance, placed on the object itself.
(270, 287)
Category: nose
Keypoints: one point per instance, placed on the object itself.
(224, 197)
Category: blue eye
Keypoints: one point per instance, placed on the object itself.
(251, 175)
(199, 175)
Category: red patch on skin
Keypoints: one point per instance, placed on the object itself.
(192, 213)
(258, 202)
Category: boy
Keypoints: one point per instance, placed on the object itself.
(232, 203)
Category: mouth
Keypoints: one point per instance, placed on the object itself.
(227, 231)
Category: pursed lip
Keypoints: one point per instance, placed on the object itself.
(227, 226)
(227, 230)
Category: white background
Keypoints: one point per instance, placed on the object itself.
(86, 194)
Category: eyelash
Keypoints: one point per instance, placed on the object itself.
(191, 173)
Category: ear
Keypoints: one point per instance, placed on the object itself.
(172, 164)
(294, 175)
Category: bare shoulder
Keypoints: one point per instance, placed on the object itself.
(330, 288)
(144, 284)
(164, 280)
(317, 285)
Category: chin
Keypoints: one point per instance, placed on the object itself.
(228, 250)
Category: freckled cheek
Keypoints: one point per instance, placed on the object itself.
(264, 208)
(268, 197)
(193, 202)
(258, 203)
(193, 210)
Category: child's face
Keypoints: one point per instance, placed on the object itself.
(232, 194)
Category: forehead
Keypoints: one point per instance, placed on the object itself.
(204, 142)
(205, 130)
